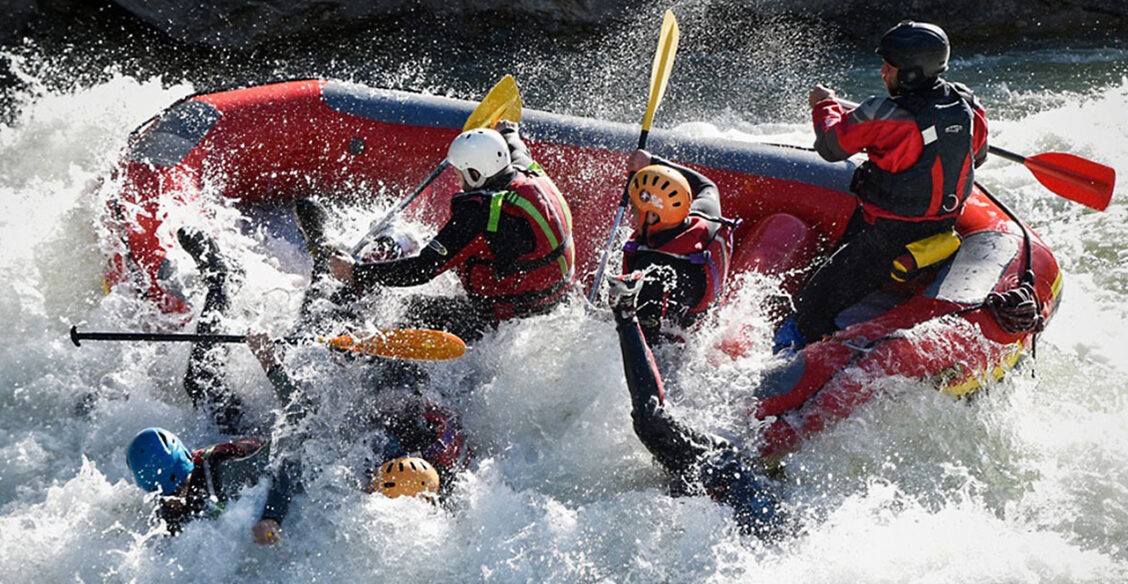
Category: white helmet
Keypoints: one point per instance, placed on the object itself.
(479, 155)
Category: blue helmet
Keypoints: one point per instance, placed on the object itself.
(159, 460)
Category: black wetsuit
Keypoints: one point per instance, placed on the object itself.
(205, 379)
(222, 470)
(701, 463)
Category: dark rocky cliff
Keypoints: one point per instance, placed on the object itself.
(252, 22)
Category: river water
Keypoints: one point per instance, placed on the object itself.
(1028, 483)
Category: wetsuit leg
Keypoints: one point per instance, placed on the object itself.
(858, 268)
(326, 299)
(206, 377)
(698, 459)
(677, 447)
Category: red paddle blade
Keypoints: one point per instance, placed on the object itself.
(1074, 178)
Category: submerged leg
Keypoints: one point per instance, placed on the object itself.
(205, 380)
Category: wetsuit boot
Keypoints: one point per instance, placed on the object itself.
(787, 339)
(205, 380)
(312, 219)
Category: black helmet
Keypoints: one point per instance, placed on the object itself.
(918, 50)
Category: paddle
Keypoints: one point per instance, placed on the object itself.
(659, 74)
(1066, 175)
(414, 344)
(502, 102)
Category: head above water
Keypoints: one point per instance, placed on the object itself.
(919, 51)
(479, 155)
(159, 461)
(408, 476)
(662, 197)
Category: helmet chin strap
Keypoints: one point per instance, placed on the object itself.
(889, 75)
(648, 220)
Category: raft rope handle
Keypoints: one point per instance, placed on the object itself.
(1018, 310)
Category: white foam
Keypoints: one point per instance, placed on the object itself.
(1026, 484)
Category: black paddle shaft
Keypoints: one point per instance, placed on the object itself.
(76, 337)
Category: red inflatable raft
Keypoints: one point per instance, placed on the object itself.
(281, 141)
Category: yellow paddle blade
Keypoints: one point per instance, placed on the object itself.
(663, 62)
(503, 102)
(415, 344)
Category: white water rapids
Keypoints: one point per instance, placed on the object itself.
(1029, 483)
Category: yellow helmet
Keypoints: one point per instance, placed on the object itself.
(410, 476)
(662, 191)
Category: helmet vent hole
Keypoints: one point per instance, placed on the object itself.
(665, 185)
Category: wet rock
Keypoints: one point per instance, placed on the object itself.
(247, 23)
(253, 21)
(17, 14)
(972, 19)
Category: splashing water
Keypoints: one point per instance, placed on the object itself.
(1027, 483)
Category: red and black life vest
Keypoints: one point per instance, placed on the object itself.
(938, 183)
(230, 466)
(447, 450)
(537, 278)
(221, 471)
(705, 242)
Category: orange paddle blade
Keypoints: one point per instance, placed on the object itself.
(1075, 178)
(414, 344)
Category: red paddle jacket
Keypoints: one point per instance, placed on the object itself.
(922, 149)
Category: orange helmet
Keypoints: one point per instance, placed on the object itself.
(662, 191)
(410, 476)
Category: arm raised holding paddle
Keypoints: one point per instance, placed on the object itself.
(659, 75)
(1067, 175)
(503, 102)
